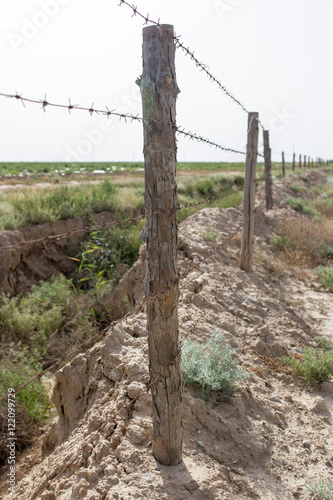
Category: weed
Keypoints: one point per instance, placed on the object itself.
(35, 316)
(316, 365)
(102, 254)
(211, 366)
(305, 244)
(325, 277)
(210, 235)
(17, 367)
(35, 206)
(325, 344)
(324, 206)
(301, 206)
(297, 189)
(322, 490)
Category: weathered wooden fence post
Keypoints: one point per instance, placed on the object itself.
(249, 192)
(304, 161)
(283, 165)
(268, 171)
(294, 161)
(300, 161)
(159, 91)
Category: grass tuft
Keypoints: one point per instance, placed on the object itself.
(212, 366)
(316, 365)
(325, 277)
(321, 490)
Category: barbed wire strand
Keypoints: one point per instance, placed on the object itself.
(104, 225)
(125, 407)
(91, 339)
(187, 51)
(139, 306)
(194, 325)
(70, 107)
(122, 116)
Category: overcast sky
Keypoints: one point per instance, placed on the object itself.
(275, 56)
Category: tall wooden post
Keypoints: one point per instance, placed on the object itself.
(300, 161)
(294, 161)
(283, 165)
(249, 192)
(304, 161)
(268, 171)
(159, 91)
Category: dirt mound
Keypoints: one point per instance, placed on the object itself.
(268, 442)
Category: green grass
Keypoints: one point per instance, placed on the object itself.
(36, 206)
(102, 253)
(17, 367)
(60, 169)
(325, 274)
(212, 366)
(33, 317)
(301, 205)
(316, 364)
(321, 490)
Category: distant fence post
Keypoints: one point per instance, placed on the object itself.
(249, 192)
(304, 161)
(268, 171)
(283, 165)
(300, 161)
(159, 91)
(294, 161)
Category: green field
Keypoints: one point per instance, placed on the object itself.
(54, 169)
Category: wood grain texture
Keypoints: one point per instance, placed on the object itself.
(268, 171)
(249, 192)
(159, 92)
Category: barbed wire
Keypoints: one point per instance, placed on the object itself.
(121, 116)
(91, 438)
(135, 220)
(194, 136)
(144, 302)
(45, 103)
(91, 339)
(137, 13)
(187, 51)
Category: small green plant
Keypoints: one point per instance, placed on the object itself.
(297, 189)
(301, 206)
(304, 178)
(212, 366)
(210, 235)
(327, 251)
(325, 344)
(104, 251)
(279, 241)
(316, 365)
(16, 368)
(322, 490)
(325, 277)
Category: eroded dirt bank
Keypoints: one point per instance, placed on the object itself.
(268, 442)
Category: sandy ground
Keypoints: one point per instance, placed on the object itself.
(270, 441)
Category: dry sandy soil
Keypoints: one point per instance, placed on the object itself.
(270, 441)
